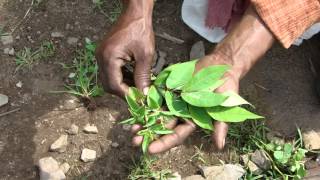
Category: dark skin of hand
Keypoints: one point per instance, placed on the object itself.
(132, 39)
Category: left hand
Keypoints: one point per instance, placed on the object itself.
(183, 130)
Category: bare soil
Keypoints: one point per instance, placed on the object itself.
(287, 99)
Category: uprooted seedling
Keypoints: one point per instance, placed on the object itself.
(84, 76)
(177, 93)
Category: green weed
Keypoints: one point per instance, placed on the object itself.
(26, 58)
(85, 73)
(287, 158)
(144, 171)
(114, 13)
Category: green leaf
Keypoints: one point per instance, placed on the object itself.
(287, 148)
(162, 78)
(233, 99)
(154, 98)
(205, 78)
(231, 114)
(134, 97)
(145, 143)
(201, 117)
(278, 155)
(176, 105)
(164, 131)
(180, 75)
(300, 154)
(128, 121)
(151, 121)
(203, 98)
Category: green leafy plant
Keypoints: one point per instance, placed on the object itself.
(84, 79)
(27, 57)
(177, 93)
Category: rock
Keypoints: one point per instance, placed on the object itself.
(311, 140)
(197, 50)
(57, 35)
(261, 160)
(65, 167)
(3, 100)
(88, 155)
(90, 129)
(115, 144)
(72, 75)
(60, 144)
(7, 39)
(176, 176)
(223, 172)
(126, 127)
(8, 51)
(194, 177)
(72, 40)
(73, 130)
(252, 166)
(19, 84)
(49, 169)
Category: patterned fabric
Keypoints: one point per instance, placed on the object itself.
(288, 19)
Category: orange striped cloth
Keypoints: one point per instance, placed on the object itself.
(288, 19)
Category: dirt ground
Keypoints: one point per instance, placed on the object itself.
(287, 98)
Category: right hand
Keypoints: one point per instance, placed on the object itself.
(130, 39)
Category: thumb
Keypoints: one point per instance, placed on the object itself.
(219, 135)
(142, 72)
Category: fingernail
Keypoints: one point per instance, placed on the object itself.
(145, 90)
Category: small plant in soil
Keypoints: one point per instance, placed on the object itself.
(114, 13)
(84, 76)
(177, 93)
(27, 57)
(287, 158)
(144, 170)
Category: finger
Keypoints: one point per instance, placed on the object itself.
(112, 78)
(220, 134)
(137, 140)
(142, 72)
(181, 132)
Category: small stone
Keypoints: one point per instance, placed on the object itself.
(57, 35)
(194, 177)
(72, 40)
(126, 127)
(261, 160)
(88, 155)
(65, 167)
(112, 118)
(254, 168)
(19, 84)
(38, 32)
(8, 51)
(72, 75)
(311, 140)
(7, 39)
(90, 129)
(3, 100)
(115, 144)
(68, 27)
(176, 176)
(73, 130)
(60, 144)
(197, 50)
(271, 136)
(223, 172)
(245, 159)
(18, 37)
(49, 169)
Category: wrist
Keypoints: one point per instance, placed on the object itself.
(139, 8)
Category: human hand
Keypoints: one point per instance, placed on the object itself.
(130, 39)
(240, 50)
